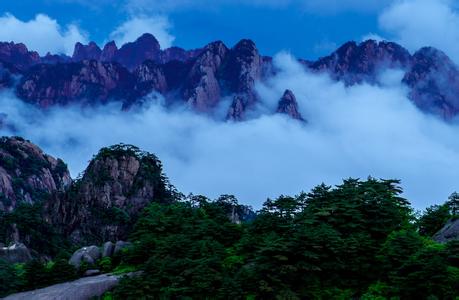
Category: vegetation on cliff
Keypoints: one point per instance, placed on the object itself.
(357, 240)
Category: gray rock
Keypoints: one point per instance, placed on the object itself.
(86, 254)
(81, 289)
(449, 232)
(108, 249)
(120, 245)
(92, 272)
(15, 253)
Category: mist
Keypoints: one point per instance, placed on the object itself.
(359, 131)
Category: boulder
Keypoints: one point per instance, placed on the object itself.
(15, 253)
(120, 245)
(449, 232)
(108, 249)
(84, 288)
(92, 272)
(88, 255)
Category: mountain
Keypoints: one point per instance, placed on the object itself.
(202, 78)
(105, 202)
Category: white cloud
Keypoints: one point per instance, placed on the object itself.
(130, 30)
(373, 36)
(419, 23)
(352, 131)
(41, 34)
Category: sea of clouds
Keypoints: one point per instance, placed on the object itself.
(359, 131)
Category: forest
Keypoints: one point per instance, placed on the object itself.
(357, 240)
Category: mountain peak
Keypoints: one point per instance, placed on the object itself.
(289, 106)
(83, 52)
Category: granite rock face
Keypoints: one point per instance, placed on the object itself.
(87, 255)
(202, 78)
(289, 106)
(355, 63)
(84, 82)
(18, 55)
(202, 89)
(27, 175)
(15, 253)
(86, 52)
(434, 82)
(107, 249)
(150, 77)
(239, 74)
(81, 289)
(449, 232)
(104, 204)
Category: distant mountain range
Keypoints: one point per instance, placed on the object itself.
(201, 78)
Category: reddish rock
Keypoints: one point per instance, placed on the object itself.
(133, 54)
(150, 77)
(119, 182)
(201, 87)
(85, 82)
(176, 53)
(289, 106)
(240, 71)
(18, 55)
(109, 52)
(434, 82)
(25, 172)
(86, 52)
(354, 63)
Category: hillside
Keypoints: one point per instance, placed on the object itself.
(359, 239)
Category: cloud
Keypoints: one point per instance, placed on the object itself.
(351, 131)
(41, 34)
(130, 30)
(419, 23)
(372, 36)
(316, 6)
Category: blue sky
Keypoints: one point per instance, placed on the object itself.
(307, 33)
(306, 28)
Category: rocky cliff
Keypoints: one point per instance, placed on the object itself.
(27, 175)
(104, 203)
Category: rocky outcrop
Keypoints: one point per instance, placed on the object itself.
(108, 249)
(178, 54)
(236, 213)
(434, 82)
(289, 106)
(88, 255)
(449, 232)
(109, 52)
(6, 76)
(15, 253)
(18, 55)
(86, 52)
(91, 254)
(104, 204)
(239, 73)
(84, 82)
(150, 77)
(27, 174)
(133, 54)
(203, 77)
(81, 289)
(202, 89)
(120, 245)
(354, 63)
